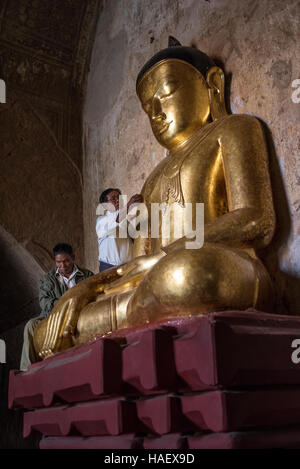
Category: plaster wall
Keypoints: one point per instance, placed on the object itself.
(44, 54)
(256, 44)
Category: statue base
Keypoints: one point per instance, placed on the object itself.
(221, 380)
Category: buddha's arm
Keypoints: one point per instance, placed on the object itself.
(62, 320)
(250, 220)
(141, 247)
(142, 244)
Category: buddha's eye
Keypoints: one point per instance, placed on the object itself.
(167, 90)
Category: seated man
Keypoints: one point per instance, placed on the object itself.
(113, 250)
(52, 286)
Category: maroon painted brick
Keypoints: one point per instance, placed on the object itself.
(162, 415)
(103, 417)
(93, 442)
(221, 411)
(172, 441)
(112, 416)
(217, 350)
(47, 421)
(262, 439)
(237, 348)
(148, 363)
(282, 438)
(81, 373)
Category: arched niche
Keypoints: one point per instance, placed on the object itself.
(19, 278)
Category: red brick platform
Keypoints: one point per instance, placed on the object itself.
(222, 380)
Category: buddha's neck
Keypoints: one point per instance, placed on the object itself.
(194, 138)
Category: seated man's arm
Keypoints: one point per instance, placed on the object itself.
(47, 296)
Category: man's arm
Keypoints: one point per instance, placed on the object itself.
(47, 296)
(111, 223)
(107, 225)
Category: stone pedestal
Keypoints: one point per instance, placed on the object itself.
(222, 380)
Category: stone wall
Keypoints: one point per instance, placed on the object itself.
(255, 42)
(44, 56)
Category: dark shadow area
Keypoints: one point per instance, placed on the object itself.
(287, 286)
(11, 421)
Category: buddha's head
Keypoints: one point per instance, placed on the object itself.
(180, 88)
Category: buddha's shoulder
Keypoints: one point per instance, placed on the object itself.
(236, 123)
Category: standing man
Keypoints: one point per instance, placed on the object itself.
(113, 250)
(52, 286)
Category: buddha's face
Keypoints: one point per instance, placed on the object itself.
(175, 96)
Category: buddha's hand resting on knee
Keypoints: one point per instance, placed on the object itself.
(62, 321)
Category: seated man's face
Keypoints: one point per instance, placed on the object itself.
(65, 263)
(175, 97)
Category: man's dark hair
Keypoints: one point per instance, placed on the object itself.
(61, 248)
(103, 196)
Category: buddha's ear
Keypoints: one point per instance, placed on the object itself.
(216, 86)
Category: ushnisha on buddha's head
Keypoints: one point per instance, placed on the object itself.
(181, 89)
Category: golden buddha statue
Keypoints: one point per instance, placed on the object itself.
(213, 158)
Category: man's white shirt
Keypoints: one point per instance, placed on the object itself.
(68, 281)
(112, 249)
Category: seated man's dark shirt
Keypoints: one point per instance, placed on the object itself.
(52, 287)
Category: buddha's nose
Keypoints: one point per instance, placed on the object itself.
(157, 114)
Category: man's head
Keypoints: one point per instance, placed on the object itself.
(178, 88)
(64, 258)
(110, 198)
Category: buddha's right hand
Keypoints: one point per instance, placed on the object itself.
(59, 328)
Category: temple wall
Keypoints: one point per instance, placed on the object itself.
(256, 43)
(44, 55)
(43, 64)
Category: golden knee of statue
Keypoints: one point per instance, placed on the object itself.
(214, 159)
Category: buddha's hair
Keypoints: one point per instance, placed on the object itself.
(193, 56)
